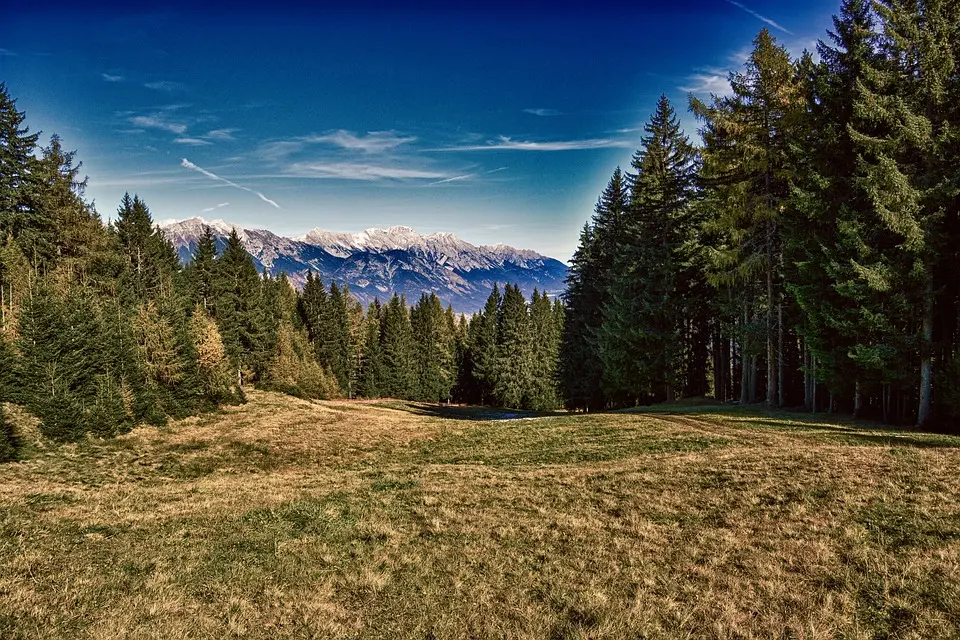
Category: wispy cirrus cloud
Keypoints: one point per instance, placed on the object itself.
(543, 112)
(214, 208)
(504, 143)
(762, 18)
(193, 142)
(165, 85)
(224, 135)
(359, 171)
(465, 176)
(107, 77)
(709, 81)
(158, 121)
(189, 165)
(371, 142)
(7, 52)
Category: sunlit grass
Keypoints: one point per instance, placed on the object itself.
(286, 518)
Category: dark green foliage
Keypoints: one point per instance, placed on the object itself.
(151, 258)
(239, 309)
(201, 273)
(335, 349)
(588, 281)
(9, 442)
(651, 310)
(514, 363)
(434, 352)
(546, 327)
(483, 347)
(397, 351)
(371, 364)
(67, 369)
(19, 188)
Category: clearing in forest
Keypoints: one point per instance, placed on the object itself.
(287, 518)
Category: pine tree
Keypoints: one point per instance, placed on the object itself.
(336, 347)
(17, 184)
(647, 325)
(239, 309)
(483, 346)
(371, 366)
(545, 331)
(587, 283)
(152, 260)
(514, 352)
(396, 347)
(433, 349)
(201, 274)
(826, 241)
(746, 137)
(213, 366)
(907, 164)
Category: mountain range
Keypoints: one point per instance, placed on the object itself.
(376, 263)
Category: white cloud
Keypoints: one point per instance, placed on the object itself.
(504, 143)
(158, 122)
(214, 208)
(542, 112)
(189, 165)
(194, 142)
(220, 134)
(372, 142)
(7, 52)
(164, 85)
(760, 17)
(278, 150)
(465, 176)
(359, 171)
(110, 78)
(710, 81)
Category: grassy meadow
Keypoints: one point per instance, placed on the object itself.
(286, 518)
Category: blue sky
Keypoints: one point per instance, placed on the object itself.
(500, 124)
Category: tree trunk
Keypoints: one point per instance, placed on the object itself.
(926, 352)
(813, 383)
(753, 379)
(781, 400)
(771, 355)
(744, 367)
(856, 398)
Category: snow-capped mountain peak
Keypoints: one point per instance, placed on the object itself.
(376, 262)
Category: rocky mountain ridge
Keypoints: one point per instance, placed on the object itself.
(375, 262)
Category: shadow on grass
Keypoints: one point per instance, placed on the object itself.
(467, 412)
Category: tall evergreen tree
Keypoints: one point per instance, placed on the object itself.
(434, 349)
(371, 367)
(396, 348)
(239, 310)
(514, 352)
(908, 165)
(746, 164)
(201, 273)
(652, 295)
(152, 260)
(336, 346)
(483, 346)
(545, 332)
(18, 184)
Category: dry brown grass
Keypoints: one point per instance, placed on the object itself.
(290, 519)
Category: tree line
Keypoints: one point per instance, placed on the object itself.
(805, 253)
(102, 327)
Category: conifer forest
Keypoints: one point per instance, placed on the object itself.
(800, 249)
